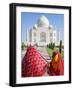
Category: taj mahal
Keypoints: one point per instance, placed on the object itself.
(42, 33)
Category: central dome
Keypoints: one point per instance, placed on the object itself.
(43, 22)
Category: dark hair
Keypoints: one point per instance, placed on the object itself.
(54, 53)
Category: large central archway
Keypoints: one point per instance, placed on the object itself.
(42, 37)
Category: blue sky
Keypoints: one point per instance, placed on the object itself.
(28, 20)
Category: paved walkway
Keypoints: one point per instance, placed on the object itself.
(22, 54)
(44, 53)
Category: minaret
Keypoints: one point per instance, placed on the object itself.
(27, 35)
(59, 37)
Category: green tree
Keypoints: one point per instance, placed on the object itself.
(22, 46)
(49, 45)
(60, 47)
(53, 45)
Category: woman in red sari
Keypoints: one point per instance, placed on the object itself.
(56, 65)
(33, 64)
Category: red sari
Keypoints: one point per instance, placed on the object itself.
(56, 68)
(33, 63)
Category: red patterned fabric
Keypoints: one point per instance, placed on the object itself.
(33, 63)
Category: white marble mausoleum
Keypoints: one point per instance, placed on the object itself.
(42, 33)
